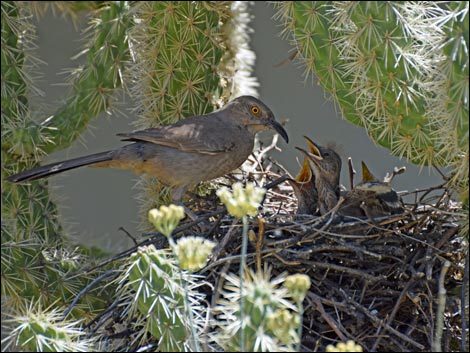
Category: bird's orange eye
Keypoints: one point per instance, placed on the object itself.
(255, 110)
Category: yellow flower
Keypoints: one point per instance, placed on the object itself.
(298, 286)
(283, 324)
(166, 218)
(241, 201)
(349, 346)
(192, 252)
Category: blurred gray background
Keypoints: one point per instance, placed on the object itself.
(96, 202)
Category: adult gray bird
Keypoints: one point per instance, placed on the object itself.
(182, 154)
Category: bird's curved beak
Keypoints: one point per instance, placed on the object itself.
(367, 176)
(304, 175)
(279, 128)
(315, 154)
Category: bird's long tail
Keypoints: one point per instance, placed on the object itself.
(59, 167)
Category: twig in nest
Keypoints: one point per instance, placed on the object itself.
(436, 345)
(128, 234)
(377, 321)
(346, 269)
(352, 172)
(464, 303)
(87, 288)
(259, 242)
(391, 317)
(396, 171)
(331, 214)
(225, 240)
(331, 322)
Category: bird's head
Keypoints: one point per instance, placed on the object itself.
(255, 115)
(325, 162)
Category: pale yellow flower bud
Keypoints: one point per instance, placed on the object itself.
(192, 252)
(283, 324)
(241, 201)
(298, 286)
(349, 346)
(166, 218)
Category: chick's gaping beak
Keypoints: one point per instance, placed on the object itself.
(315, 154)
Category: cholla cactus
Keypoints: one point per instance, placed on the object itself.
(39, 330)
(155, 297)
(266, 307)
(36, 262)
(238, 61)
(298, 286)
(284, 324)
(177, 53)
(400, 69)
(241, 203)
(165, 306)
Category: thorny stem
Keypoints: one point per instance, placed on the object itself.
(187, 305)
(299, 329)
(242, 269)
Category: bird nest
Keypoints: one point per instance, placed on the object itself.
(386, 283)
(393, 283)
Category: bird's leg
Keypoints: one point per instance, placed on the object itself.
(187, 210)
(176, 197)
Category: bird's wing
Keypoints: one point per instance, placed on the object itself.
(199, 135)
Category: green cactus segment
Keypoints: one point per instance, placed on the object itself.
(96, 81)
(309, 24)
(13, 60)
(316, 49)
(18, 133)
(177, 46)
(42, 330)
(27, 209)
(450, 123)
(269, 317)
(375, 59)
(159, 297)
(31, 271)
(23, 140)
(94, 85)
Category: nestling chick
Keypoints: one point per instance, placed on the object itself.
(304, 188)
(325, 164)
(371, 198)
